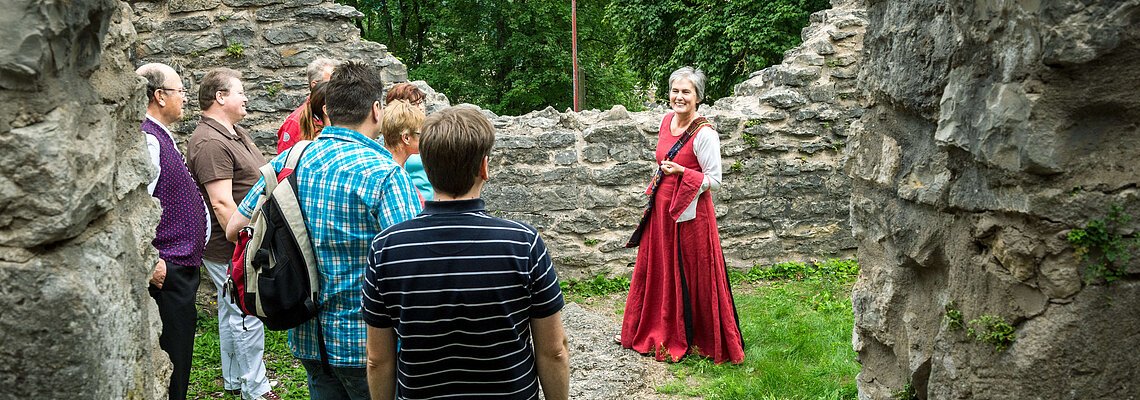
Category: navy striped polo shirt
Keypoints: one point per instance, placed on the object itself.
(459, 287)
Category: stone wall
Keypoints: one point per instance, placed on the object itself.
(269, 41)
(995, 128)
(75, 317)
(576, 176)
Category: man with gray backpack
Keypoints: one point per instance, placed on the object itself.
(349, 189)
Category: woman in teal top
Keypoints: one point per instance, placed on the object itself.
(414, 96)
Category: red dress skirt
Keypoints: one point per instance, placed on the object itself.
(679, 298)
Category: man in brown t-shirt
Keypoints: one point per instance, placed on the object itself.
(224, 161)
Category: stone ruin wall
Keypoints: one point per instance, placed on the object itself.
(579, 177)
(575, 176)
(75, 317)
(993, 129)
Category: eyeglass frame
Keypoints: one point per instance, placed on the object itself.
(183, 90)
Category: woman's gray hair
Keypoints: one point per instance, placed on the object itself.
(696, 76)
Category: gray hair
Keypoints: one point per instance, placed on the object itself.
(315, 68)
(696, 76)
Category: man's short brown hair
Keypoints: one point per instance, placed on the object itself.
(453, 146)
(218, 79)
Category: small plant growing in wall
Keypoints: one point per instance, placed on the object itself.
(736, 166)
(750, 139)
(993, 330)
(953, 317)
(1102, 248)
(906, 393)
(591, 242)
(273, 89)
(235, 50)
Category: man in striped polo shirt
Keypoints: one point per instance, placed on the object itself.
(466, 293)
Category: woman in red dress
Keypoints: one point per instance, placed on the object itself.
(679, 298)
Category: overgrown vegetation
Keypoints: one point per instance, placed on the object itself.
(993, 330)
(1102, 247)
(513, 57)
(794, 348)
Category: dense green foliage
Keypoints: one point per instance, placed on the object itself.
(514, 56)
(1103, 248)
(727, 39)
(508, 56)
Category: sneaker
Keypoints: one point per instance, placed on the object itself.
(269, 396)
(234, 392)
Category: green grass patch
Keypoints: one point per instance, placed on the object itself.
(797, 337)
(206, 372)
(576, 290)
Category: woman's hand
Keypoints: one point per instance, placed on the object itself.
(670, 168)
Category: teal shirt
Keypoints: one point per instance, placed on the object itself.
(415, 168)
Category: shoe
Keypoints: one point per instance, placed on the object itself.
(269, 396)
(234, 392)
(617, 339)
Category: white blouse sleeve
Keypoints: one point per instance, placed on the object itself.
(706, 146)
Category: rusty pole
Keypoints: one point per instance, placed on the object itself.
(574, 54)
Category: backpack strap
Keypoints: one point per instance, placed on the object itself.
(271, 177)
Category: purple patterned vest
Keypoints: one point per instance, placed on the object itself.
(181, 233)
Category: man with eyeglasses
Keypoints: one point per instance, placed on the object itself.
(183, 229)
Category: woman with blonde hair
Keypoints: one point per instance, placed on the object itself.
(400, 127)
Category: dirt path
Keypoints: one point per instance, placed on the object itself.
(601, 369)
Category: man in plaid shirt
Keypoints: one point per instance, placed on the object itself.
(350, 189)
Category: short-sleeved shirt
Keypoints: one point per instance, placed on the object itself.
(350, 189)
(214, 154)
(460, 288)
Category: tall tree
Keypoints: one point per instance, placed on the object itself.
(728, 39)
(510, 56)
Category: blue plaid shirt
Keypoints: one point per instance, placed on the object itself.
(350, 189)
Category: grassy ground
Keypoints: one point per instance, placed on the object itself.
(206, 374)
(796, 321)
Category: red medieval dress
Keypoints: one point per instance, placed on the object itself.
(679, 297)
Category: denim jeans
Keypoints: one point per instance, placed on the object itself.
(336, 383)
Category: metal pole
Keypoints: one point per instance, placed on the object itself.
(574, 54)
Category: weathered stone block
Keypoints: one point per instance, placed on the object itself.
(238, 33)
(195, 23)
(596, 153)
(250, 3)
(613, 134)
(181, 6)
(194, 44)
(289, 34)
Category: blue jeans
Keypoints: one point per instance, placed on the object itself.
(336, 383)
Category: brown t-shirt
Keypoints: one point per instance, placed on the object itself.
(214, 153)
